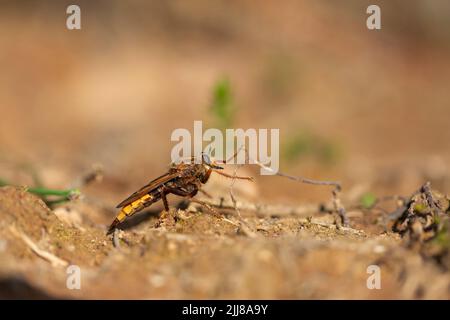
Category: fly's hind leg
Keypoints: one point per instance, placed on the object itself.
(164, 199)
(164, 191)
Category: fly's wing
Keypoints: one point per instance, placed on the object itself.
(151, 186)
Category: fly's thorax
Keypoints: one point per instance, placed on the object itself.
(194, 172)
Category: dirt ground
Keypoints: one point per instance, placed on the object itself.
(369, 109)
(185, 254)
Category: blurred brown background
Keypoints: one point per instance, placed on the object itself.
(369, 108)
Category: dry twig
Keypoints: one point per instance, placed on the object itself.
(337, 204)
(54, 260)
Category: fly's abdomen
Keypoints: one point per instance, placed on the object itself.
(132, 208)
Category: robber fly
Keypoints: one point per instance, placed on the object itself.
(184, 180)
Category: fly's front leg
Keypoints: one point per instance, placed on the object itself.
(234, 177)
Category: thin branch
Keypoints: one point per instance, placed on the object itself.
(263, 209)
(275, 211)
(243, 225)
(338, 207)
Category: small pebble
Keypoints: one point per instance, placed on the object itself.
(157, 280)
(172, 246)
(379, 249)
(3, 245)
(265, 255)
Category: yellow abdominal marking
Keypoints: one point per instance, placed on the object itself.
(136, 205)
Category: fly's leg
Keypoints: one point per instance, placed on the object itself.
(166, 190)
(214, 211)
(181, 193)
(233, 177)
(164, 199)
(207, 206)
(191, 194)
(205, 193)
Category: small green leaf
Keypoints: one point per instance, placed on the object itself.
(420, 207)
(368, 200)
(222, 103)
